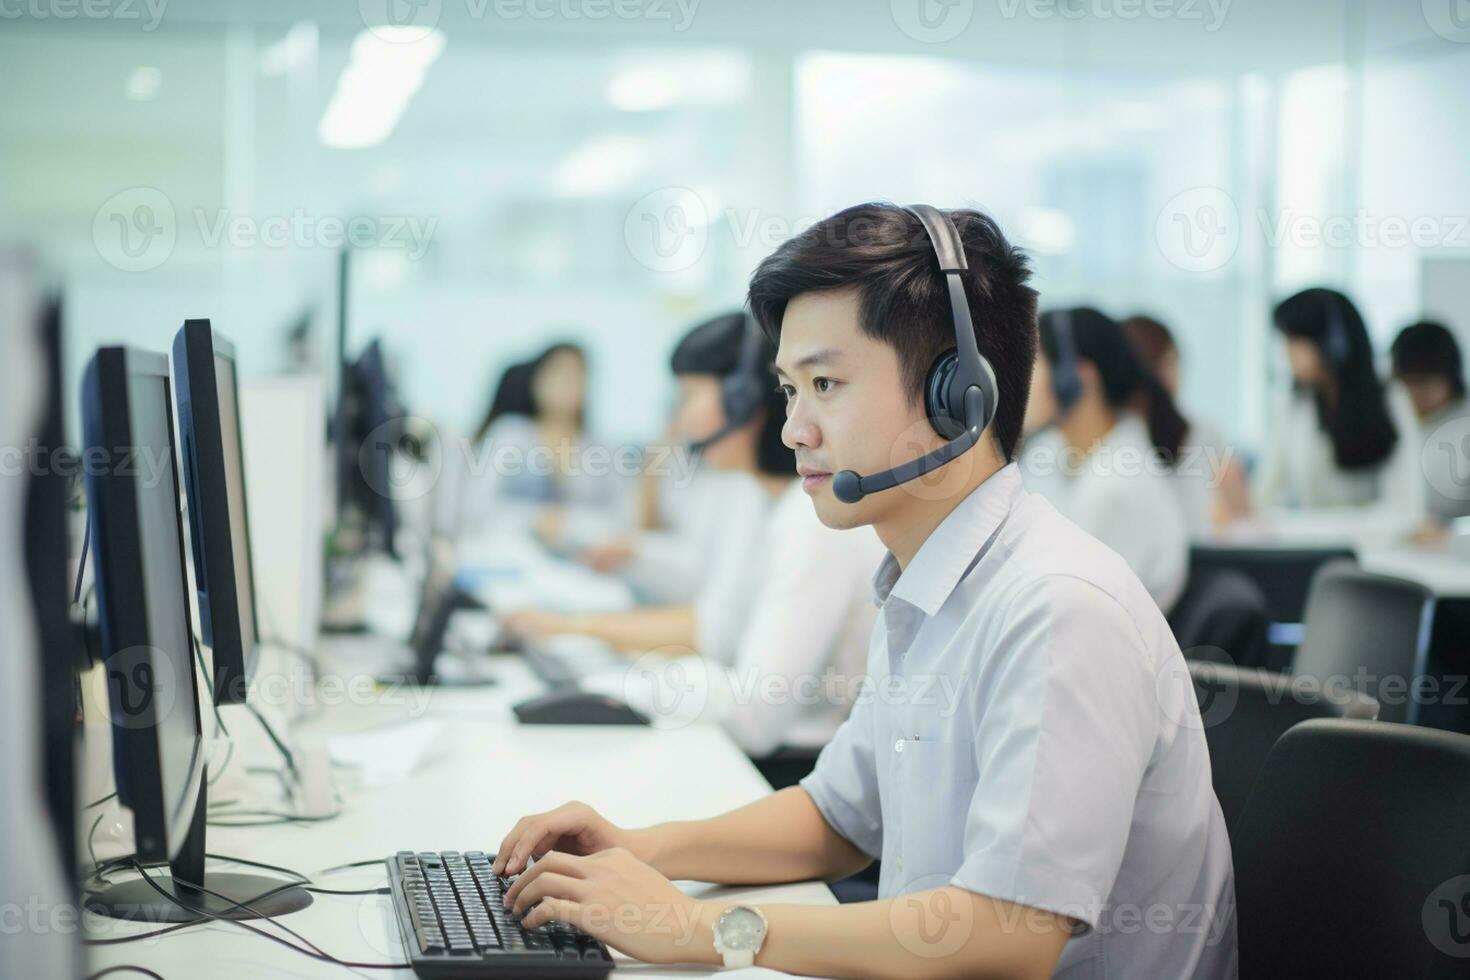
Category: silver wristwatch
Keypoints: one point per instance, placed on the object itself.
(739, 933)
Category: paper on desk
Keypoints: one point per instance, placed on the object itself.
(387, 754)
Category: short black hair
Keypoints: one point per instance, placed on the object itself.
(884, 251)
(1428, 348)
(713, 347)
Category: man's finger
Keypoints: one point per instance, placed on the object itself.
(503, 855)
(554, 862)
(548, 886)
(558, 909)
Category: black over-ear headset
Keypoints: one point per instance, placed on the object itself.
(1335, 343)
(743, 390)
(960, 392)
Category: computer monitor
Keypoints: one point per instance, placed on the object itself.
(366, 437)
(47, 547)
(208, 401)
(147, 646)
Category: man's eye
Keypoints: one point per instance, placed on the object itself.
(823, 385)
(786, 391)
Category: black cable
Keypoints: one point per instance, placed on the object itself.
(118, 969)
(275, 739)
(195, 645)
(76, 594)
(355, 864)
(337, 891)
(90, 834)
(139, 936)
(101, 801)
(229, 754)
(319, 954)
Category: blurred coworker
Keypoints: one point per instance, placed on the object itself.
(1427, 362)
(1210, 479)
(1121, 433)
(1345, 445)
(785, 599)
(530, 452)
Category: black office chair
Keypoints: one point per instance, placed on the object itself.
(1352, 858)
(1221, 617)
(1370, 630)
(1245, 710)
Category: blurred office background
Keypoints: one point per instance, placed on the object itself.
(521, 171)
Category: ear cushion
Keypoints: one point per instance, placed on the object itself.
(1066, 384)
(740, 395)
(944, 396)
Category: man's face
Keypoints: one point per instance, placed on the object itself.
(847, 408)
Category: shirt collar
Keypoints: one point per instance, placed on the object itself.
(951, 547)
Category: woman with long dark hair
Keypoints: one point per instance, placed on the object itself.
(1210, 478)
(1120, 434)
(1344, 443)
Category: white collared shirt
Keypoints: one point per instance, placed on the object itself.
(1030, 733)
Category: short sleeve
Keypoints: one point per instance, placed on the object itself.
(1061, 751)
(844, 783)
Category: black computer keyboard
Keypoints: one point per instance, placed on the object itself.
(449, 907)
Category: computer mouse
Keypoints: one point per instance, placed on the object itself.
(574, 707)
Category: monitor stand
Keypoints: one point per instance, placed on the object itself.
(138, 901)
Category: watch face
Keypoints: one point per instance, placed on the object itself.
(741, 928)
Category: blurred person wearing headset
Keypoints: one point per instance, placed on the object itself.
(783, 596)
(1344, 452)
(1120, 435)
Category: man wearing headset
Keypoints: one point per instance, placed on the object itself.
(1055, 816)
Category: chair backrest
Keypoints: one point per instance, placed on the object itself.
(1371, 631)
(1283, 574)
(1222, 617)
(1244, 712)
(1352, 858)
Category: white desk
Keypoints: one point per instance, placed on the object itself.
(486, 772)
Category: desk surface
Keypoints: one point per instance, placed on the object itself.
(482, 773)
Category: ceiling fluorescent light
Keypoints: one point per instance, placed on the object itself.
(379, 81)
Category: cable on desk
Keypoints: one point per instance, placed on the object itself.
(121, 968)
(315, 952)
(100, 801)
(355, 864)
(383, 890)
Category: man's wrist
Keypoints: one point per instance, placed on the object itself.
(650, 845)
(701, 945)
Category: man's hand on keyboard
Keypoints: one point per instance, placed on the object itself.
(615, 897)
(572, 828)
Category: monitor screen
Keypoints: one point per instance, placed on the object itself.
(229, 427)
(165, 587)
